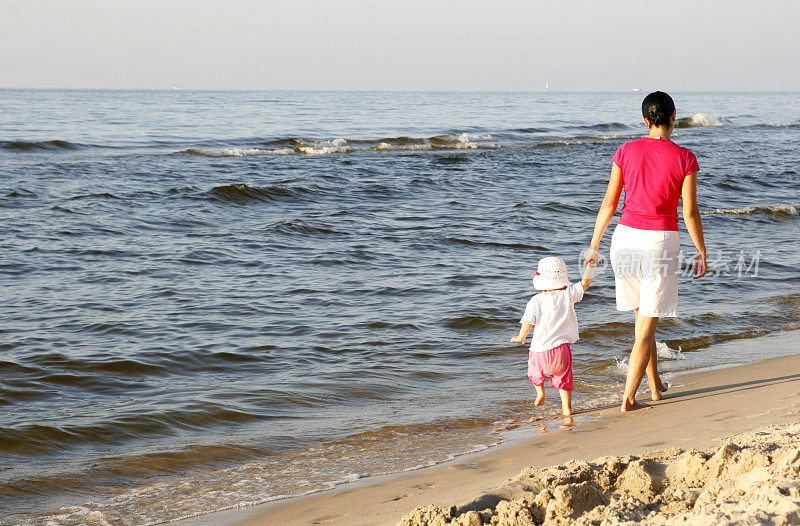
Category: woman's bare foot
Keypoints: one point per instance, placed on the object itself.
(657, 388)
(627, 406)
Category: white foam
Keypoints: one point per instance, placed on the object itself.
(384, 146)
(325, 147)
(424, 146)
(239, 152)
(664, 351)
(620, 366)
(783, 209)
(465, 141)
(232, 152)
(703, 119)
(732, 211)
(747, 210)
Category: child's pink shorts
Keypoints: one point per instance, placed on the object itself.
(556, 363)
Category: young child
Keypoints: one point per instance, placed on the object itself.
(552, 312)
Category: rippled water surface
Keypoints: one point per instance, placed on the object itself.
(214, 299)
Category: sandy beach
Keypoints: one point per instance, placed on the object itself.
(741, 423)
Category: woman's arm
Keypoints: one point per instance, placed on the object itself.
(691, 216)
(608, 208)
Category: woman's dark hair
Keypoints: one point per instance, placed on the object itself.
(657, 108)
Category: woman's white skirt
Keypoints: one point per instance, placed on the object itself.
(646, 267)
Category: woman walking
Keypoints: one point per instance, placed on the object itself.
(655, 173)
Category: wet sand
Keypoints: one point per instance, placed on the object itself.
(702, 411)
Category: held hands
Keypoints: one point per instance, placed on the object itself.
(591, 257)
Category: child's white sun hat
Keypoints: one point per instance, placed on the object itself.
(551, 273)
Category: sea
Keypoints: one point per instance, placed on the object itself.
(215, 299)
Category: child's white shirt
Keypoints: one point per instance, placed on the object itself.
(553, 317)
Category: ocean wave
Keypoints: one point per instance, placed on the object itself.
(298, 226)
(20, 192)
(234, 152)
(610, 137)
(462, 141)
(551, 144)
(36, 439)
(530, 130)
(324, 147)
(55, 144)
(784, 125)
(774, 211)
(603, 126)
(699, 120)
(241, 193)
(279, 475)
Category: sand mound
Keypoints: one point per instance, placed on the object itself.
(753, 478)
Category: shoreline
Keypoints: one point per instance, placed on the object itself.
(727, 407)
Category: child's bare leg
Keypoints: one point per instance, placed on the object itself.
(539, 395)
(566, 402)
(639, 360)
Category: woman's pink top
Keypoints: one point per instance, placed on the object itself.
(652, 175)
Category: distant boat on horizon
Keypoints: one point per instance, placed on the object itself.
(176, 87)
(637, 89)
(546, 88)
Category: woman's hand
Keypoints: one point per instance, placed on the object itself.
(518, 338)
(700, 267)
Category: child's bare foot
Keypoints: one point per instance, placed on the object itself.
(627, 406)
(566, 412)
(539, 395)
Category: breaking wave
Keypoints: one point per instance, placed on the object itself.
(236, 152)
(699, 120)
(462, 141)
(775, 211)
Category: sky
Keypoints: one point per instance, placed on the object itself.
(572, 45)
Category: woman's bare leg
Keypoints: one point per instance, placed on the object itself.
(653, 378)
(641, 354)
